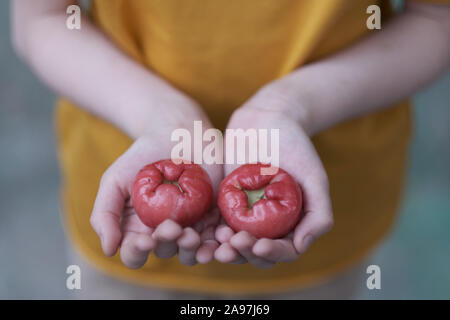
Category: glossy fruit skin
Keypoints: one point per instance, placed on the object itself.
(155, 200)
(273, 217)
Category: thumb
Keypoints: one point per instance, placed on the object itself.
(105, 217)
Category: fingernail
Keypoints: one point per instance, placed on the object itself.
(307, 241)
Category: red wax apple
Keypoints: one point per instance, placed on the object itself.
(266, 206)
(165, 190)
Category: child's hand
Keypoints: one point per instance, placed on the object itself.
(298, 157)
(118, 225)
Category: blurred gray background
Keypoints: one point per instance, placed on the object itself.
(414, 260)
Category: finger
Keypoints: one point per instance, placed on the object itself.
(318, 215)
(131, 222)
(205, 252)
(166, 250)
(317, 208)
(166, 235)
(167, 231)
(224, 233)
(188, 244)
(243, 242)
(135, 249)
(212, 218)
(105, 217)
(312, 226)
(225, 253)
(282, 250)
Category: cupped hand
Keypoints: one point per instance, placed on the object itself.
(299, 158)
(116, 222)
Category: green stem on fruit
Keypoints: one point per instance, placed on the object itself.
(175, 183)
(254, 196)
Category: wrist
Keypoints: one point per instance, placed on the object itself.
(281, 98)
(164, 113)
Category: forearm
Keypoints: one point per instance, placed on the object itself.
(84, 66)
(380, 70)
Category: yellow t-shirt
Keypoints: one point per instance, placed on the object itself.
(220, 52)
